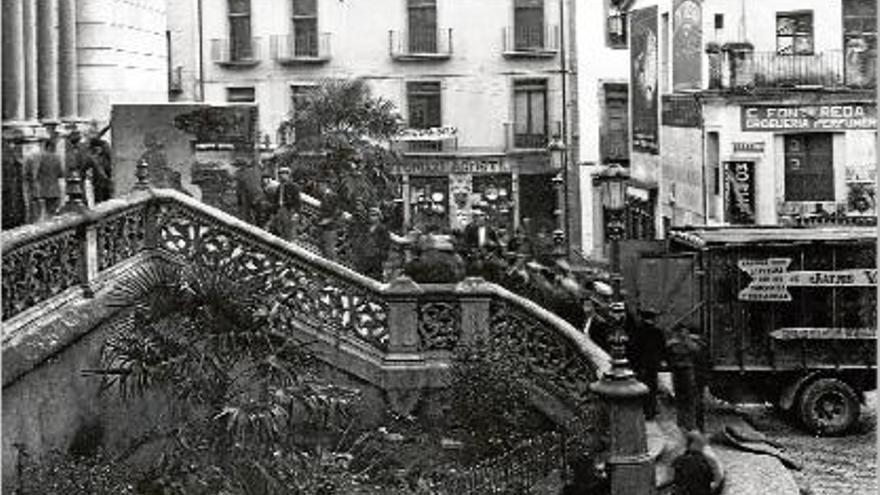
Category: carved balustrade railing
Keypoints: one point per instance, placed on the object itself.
(301, 289)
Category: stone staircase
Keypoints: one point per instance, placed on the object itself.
(395, 337)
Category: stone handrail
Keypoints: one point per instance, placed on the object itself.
(303, 290)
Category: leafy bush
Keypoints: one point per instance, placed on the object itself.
(489, 399)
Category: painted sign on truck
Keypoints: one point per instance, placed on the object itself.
(771, 279)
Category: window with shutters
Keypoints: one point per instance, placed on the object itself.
(423, 102)
(809, 167)
(614, 138)
(422, 15)
(530, 113)
(240, 41)
(305, 28)
(860, 42)
(528, 24)
(302, 130)
(794, 33)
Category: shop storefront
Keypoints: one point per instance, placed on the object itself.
(783, 162)
(444, 192)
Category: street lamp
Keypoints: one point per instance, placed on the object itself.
(556, 148)
(631, 467)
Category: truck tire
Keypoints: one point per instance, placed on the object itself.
(828, 406)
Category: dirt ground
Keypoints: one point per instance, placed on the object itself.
(832, 466)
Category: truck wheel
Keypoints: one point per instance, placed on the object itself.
(828, 406)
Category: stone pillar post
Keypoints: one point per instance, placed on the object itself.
(403, 384)
(403, 318)
(67, 62)
(13, 61)
(29, 36)
(475, 300)
(631, 467)
(47, 60)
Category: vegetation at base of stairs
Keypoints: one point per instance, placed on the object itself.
(488, 399)
(252, 414)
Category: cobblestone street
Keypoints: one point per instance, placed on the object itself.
(832, 466)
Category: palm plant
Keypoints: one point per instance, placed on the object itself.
(350, 130)
(212, 342)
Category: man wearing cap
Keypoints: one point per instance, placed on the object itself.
(285, 221)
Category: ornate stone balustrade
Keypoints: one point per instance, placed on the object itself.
(388, 324)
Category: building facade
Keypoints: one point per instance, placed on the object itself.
(604, 122)
(483, 87)
(65, 62)
(759, 114)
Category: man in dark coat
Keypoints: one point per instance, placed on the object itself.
(647, 349)
(693, 471)
(102, 171)
(372, 246)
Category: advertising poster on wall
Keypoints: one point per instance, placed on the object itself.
(643, 62)
(687, 44)
(740, 192)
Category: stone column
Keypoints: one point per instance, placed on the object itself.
(29, 32)
(47, 60)
(67, 64)
(13, 61)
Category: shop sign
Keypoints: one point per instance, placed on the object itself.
(643, 80)
(740, 192)
(840, 116)
(441, 166)
(771, 279)
(748, 147)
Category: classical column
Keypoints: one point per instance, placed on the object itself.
(29, 31)
(47, 59)
(67, 71)
(13, 61)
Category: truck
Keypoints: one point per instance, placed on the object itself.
(788, 315)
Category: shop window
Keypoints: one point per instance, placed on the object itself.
(422, 16)
(241, 94)
(495, 199)
(240, 43)
(423, 102)
(794, 33)
(305, 28)
(429, 202)
(809, 167)
(614, 137)
(530, 113)
(528, 24)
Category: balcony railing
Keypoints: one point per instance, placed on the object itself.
(175, 79)
(420, 44)
(827, 69)
(234, 52)
(518, 139)
(301, 48)
(530, 41)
